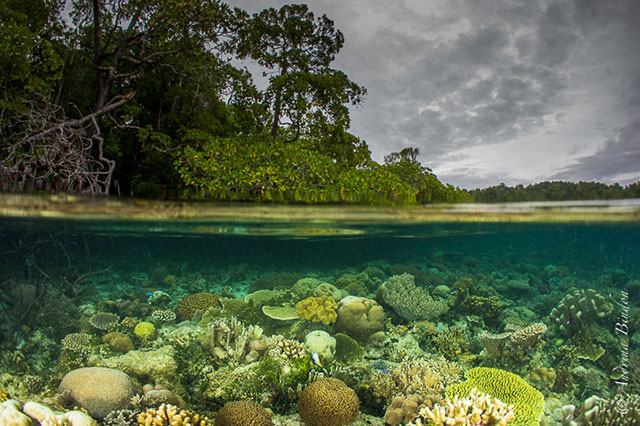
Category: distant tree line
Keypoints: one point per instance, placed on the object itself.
(555, 191)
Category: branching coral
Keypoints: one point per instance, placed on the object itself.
(409, 301)
(507, 387)
(477, 408)
(170, 415)
(578, 309)
(231, 341)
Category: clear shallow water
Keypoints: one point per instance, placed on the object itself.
(108, 254)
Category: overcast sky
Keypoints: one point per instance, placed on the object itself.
(491, 91)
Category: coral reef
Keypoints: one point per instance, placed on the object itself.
(403, 410)
(243, 413)
(104, 321)
(170, 415)
(321, 309)
(579, 309)
(188, 306)
(477, 408)
(509, 388)
(359, 317)
(410, 302)
(328, 402)
(230, 341)
(99, 390)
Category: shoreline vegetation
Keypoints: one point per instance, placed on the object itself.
(142, 99)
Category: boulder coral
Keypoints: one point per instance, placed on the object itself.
(243, 413)
(99, 390)
(359, 317)
(328, 402)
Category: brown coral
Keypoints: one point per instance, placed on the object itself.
(188, 306)
(328, 402)
(243, 413)
(170, 415)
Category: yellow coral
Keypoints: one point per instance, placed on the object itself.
(4, 395)
(170, 415)
(507, 387)
(144, 330)
(318, 309)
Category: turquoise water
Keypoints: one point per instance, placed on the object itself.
(66, 260)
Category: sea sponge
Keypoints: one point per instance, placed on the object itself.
(144, 330)
(99, 390)
(509, 388)
(188, 306)
(328, 402)
(318, 309)
(243, 413)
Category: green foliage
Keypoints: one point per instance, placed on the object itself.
(555, 191)
(298, 49)
(405, 165)
(256, 168)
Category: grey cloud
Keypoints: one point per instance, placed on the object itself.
(619, 156)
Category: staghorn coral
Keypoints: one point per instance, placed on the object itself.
(477, 408)
(328, 402)
(509, 388)
(318, 309)
(189, 305)
(410, 302)
(243, 413)
(170, 415)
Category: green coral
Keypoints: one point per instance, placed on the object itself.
(508, 388)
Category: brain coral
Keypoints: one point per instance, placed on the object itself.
(318, 309)
(99, 390)
(243, 413)
(195, 302)
(328, 402)
(507, 387)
